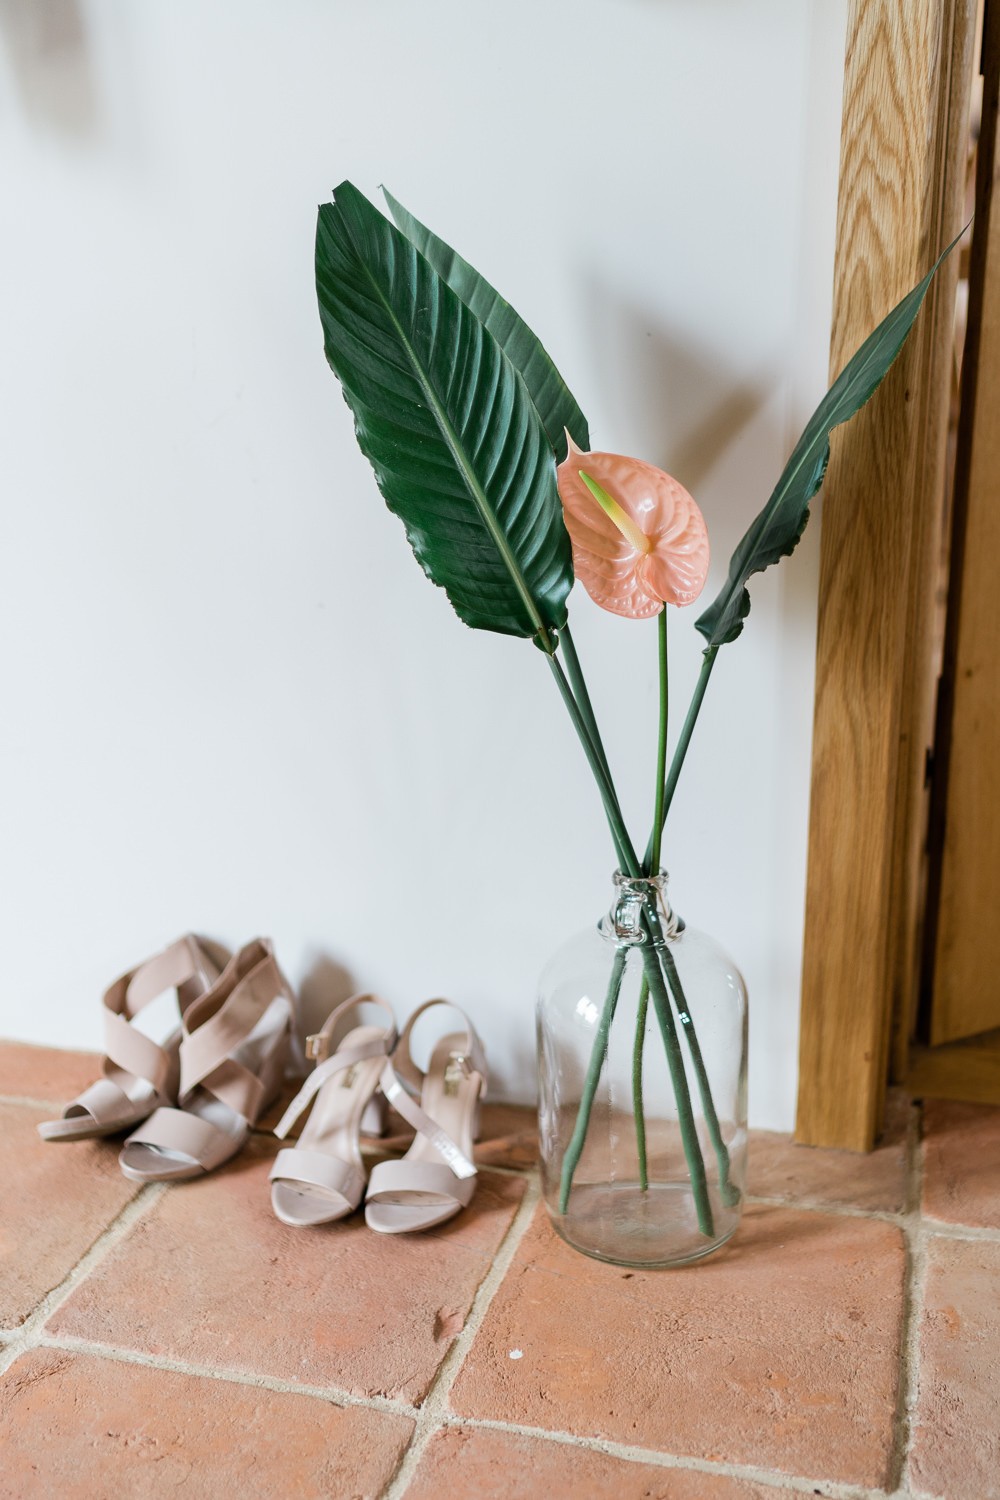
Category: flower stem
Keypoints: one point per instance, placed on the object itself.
(638, 1105)
(681, 749)
(597, 1056)
(661, 1003)
(624, 847)
(730, 1194)
(652, 868)
(653, 861)
(579, 684)
(678, 1076)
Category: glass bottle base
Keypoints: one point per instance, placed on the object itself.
(620, 1223)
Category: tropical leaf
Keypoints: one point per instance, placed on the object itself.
(776, 531)
(444, 418)
(553, 400)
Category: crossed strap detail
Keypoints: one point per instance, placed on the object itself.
(401, 1079)
(184, 967)
(129, 1054)
(213, 1031)
(458, 1163)
(214, 1026)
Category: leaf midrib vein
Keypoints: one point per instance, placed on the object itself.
(451, 438)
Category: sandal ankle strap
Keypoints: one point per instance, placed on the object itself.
(318, 1044)
(472, 1058)
(345, 1057)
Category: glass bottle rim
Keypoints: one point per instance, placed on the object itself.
(642, 885)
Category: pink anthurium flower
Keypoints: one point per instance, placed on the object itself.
(639, 540)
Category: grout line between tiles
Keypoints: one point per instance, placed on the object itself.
(909, 1372)
(881, 1216)
(435, 1405)
(48, 1104)
(909, 1222)
(795, 1484)
(120, 1355)
(28, 1336)
(789, 1483)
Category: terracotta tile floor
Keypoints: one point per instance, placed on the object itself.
(181, 1340)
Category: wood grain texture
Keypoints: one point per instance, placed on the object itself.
(966, 987)
(968, 1070)
(908, 64)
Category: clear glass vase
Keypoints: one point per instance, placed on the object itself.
(642, 1033)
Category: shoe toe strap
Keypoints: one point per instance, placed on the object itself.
(298, 1166)
(399, 1181)
(184, 1134)
(103, 1101)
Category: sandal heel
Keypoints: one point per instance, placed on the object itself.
(273, 1074)
(373, 1121)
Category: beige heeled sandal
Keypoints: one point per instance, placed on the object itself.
(322, 1178)
(437, 1177)
(232, 1064)
(142, 1036)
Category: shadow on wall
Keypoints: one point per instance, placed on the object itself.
(323, 987)
(50, 64)
(670, 388)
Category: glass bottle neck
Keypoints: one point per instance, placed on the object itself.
(641, 912)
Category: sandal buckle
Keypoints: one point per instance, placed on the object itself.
(317, 1047)
(456, 1071)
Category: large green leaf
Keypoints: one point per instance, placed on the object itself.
(553, 400)
(458, 449)
(775, 532)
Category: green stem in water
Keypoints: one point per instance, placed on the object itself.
(678, 1076)
(730, 1194)
(597, 1056)
(638, 1105)
(629, 862)
(681, 749)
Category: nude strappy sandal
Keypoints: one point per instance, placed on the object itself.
(322, 1178)
(232, 1063)
(142, 1035)
(436, 1178)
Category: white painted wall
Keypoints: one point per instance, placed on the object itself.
(228, 697)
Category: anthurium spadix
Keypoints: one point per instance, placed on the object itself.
(639, 539)
(446, 421)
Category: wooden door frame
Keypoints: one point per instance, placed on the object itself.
(904, 138)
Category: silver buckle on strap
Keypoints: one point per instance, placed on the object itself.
(317, 1047)
(456, 1071)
